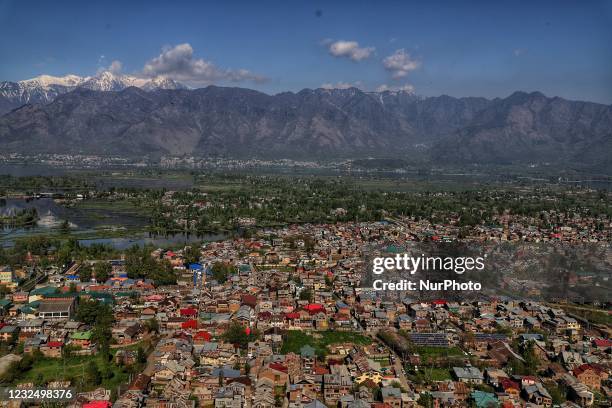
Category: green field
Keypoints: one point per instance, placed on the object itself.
(294, 340)
(592, 314)
(74, 369)
(429, 374)
(435, 352)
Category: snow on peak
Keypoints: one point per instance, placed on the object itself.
(107, 81)
(162, 82)
(45, 88)
(103, 81)
(48, 80)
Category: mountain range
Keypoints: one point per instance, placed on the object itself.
(133, 117)
(45, 88)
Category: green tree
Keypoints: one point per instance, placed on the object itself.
(221, 271)
(68, 350)
(141, 356)
(92, 374)
(85, 272)
(531, 359)
(306, 294)
(557, 392)
(192, 254)
(92, 312)
(102, 271)
(139, 264)
(152, 325)
(426, 400)
(237, 334)
(99, 315)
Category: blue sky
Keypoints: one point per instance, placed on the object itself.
(488, 48)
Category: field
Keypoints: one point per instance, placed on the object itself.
(436, 352)
(74, 369)
(428, 374)
(592, 314)
(295, 340)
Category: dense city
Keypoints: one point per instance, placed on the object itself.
(283, 315)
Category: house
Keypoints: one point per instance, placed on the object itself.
(32, 344)
(494, 376)
(81, 339)
(590, 375)
(56, 308)
(125, 357)
(140, 383)
(275, 373)
(537, 394)
(577, 391)
(392, 396)
(31, 326)
(315, 404)
(201, 337)
(231, 395)
(484, 399)
(7, 275)
(601, 344)
(71, 326)
(510, 387)
(5, 306)
(264, 394)
(469, 375)
(126, 333)
(9, 333)
(20, 297)
(336, 384)
(52, 349)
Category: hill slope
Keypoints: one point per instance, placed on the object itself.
(524, 127)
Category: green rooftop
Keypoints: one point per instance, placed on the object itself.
(86, 335)
(44, 291)
(484, 399)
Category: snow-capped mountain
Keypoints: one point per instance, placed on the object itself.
(14, 94)
(48, 80)
(107, 81)
(45, 88)
(161, 82)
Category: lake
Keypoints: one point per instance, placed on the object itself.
(89, 222)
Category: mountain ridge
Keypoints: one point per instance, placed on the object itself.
(521, 128)
(45, 88)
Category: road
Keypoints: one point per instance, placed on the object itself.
(150, 367)
(399, 370)
(397, 363)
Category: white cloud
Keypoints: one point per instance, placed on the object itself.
(518, 52)
(350, 49)
(179, 64)
(341, 85)
(400, 63)
(115, 67)
(403, 88)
